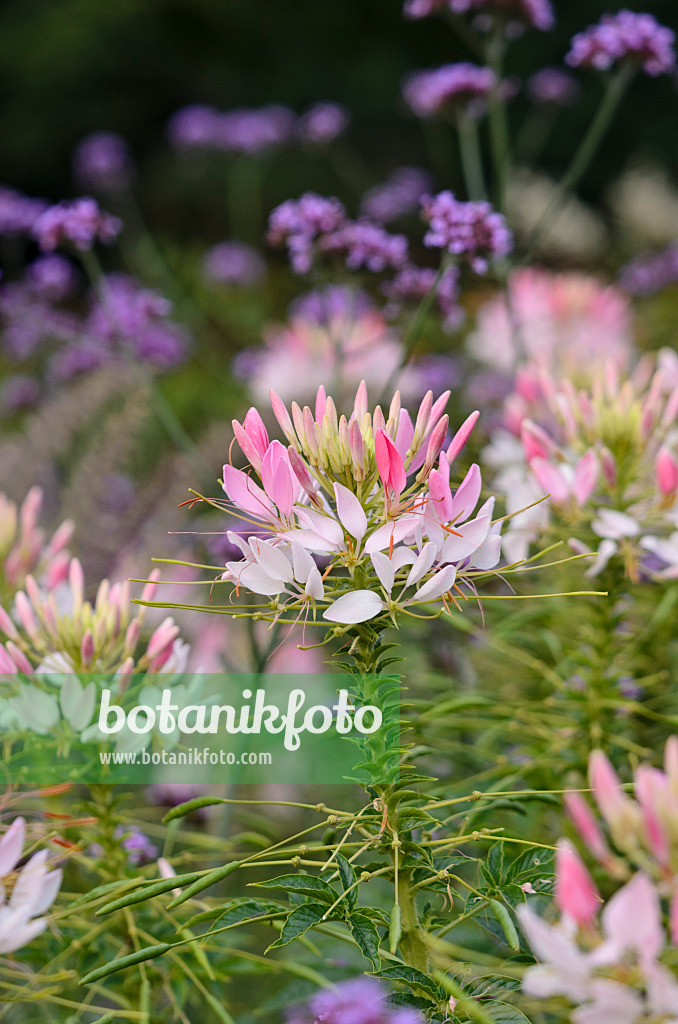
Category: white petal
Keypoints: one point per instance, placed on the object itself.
(350, 512)
(389, 533)
(385, 569)
(488, 554)
(273, 560)
(11, 845)
(258, 580)
(358, 606)
(314, 584)
(423, 563)
(302, 562)
(436, 586)
(455, 549)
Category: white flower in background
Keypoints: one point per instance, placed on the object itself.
(26, 895)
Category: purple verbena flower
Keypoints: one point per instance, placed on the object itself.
(102, 160)
(140, 849)
(322, 123)
(18, 213)
(367, 245)
(19, 391)
(358, 1001)
(651, 272)
(194, 127)
(233, 263)
(52, 277)
(625, 35)
(449, 90)
(334, 302)
(252, 131)
(80, 357)
(554, 86)
(297, 224)
(471, 230)
(411, 284)
(400, 194)
(79, 221)
(522, 13)
(29, 320)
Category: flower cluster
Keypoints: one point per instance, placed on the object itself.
(336, 334)
(606, 455)
(470, 230)
(78, 222)
(651, 272)
(369, 494)
(412, 284)
(24, 549)
(449, 90)
(359, 1001)
(300, 223)
(18, 213)
(54, 629)
(553, 86)
(103, 161)
(322, 123)
(399, 195)
(514, 13)
(233, 263)
(242, 130)
(608, 962)
(25, 893)
(625, 36)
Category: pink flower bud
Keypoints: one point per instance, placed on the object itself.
(461, 437)
(18, 657)
(26, 616)
(60, 539)
(587, 826)
(320, 404)
(6, 625)
(608, 465)
(283, 417)
(666, 472)
(607, 790)
(87, 649)
(575, 892)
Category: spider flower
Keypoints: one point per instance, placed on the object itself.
(26, 893)
(59, 631)
(371, 495)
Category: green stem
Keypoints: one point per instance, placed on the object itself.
(614, 92)
(469, 149)
(499, 136)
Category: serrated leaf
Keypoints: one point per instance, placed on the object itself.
(412, 976)
(299, 921)
(303, 885)
(495, 862)
(504, 1013)
(493, 986)
(237, 910)
(348, 878)
(366, 935)
(530, 864)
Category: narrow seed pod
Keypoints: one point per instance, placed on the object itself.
(149, 953)
(181, 810)
(504, 918)
(147, 892)
(204, 882)
(394, 928)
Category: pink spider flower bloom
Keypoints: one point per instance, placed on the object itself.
(371, 495)
(25, 894)
(59, 631)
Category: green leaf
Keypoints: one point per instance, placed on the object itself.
(304, 885)
(412, 976)
(504, 1013)
(237, 910)
(367, 937)
(533, 863)
(140, 956)
(348, 878)
(299, 921)
(495, 862)
(487, 987)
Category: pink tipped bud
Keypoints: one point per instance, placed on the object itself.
(283, 417)
(389, 464)
(423, 417)
(163, 637)
(360, 404)
(132, 636)
(26, 616)
(87, 649)
(587, 826)
(461, 437)
(320, 404)
(60, 539)
(575, 891)
(536, 442)
(6, 663)
(6, 625)
(30, 510)
(666, 472)
(57, 571)
(150, 587)
(651, 790)
(435, 445)
(124, 675)
(357, 445)
(607, 790)
(18, 657)
(608, 464)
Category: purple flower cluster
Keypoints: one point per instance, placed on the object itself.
(651, 272)
(471, 230)
(451, 89)
(18, 391)
(400, 194)
(531, 13)
(140, 849)
(298, 223)
(243, 130)
(102, 161)
(367, 245)
(29, 320)
(322, 123)
(553, 86)
(625, 35)
(134, 319)
(334, 302)
(79, 222)
(18, 213)
(359, 1001)
(52, 277)
(233, 263)
(411, 284)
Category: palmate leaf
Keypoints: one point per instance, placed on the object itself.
(299, 921)
(303, 885)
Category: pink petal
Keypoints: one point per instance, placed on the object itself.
(358, 606)
(585, 477)
(575, 892)
(550, 479)
(389, 464)
(277, 477)
(246, 494)
(389, 533)
(632, 920)
(462, 436)
(466, 497)
(404, 434)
